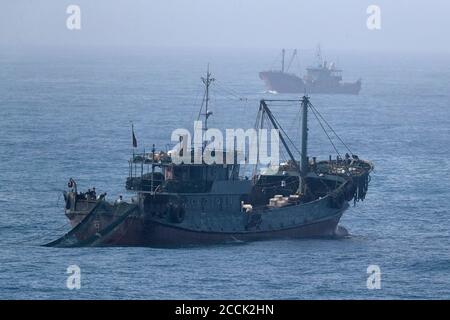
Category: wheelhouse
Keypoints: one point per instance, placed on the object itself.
(157, 171)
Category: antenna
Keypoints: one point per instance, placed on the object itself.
(207, 82)
(319, 55)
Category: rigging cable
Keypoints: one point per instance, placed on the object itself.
(286, 135)
(294, 54)
(201, 107)
(324, 130)
(329, 126)
(230, 91)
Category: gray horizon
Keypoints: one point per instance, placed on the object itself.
(406, 26)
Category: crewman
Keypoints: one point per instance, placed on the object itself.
(347, 158)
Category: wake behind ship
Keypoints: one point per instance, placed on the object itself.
(322, 78)
(188, 203)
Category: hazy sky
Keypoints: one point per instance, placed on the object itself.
(405, 25)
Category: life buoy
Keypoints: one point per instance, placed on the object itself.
(72, 184)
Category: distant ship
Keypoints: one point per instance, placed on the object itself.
(323, 78)
(182, 204)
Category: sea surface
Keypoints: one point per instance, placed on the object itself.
(67, 112)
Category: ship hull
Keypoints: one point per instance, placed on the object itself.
(137, 230)
(282, 82)
(160, 235)
(289, 83)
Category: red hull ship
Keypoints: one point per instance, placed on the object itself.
(323, 78)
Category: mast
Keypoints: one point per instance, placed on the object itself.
(282, 59)
(304, 165)
(319, 56)
(207, 81)
(153, 167)
(265, 109)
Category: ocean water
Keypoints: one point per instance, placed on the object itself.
(67, 113)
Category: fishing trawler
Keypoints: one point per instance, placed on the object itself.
(190, 203)
(322, 78)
